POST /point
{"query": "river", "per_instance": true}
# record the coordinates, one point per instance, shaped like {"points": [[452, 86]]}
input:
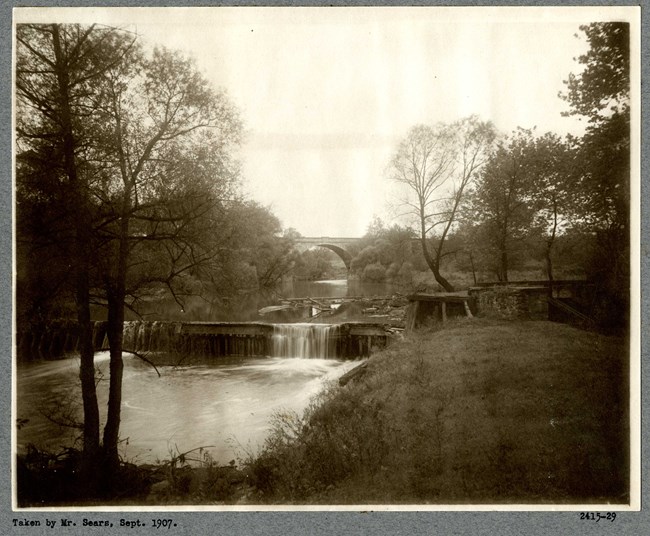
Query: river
{"points": [[336, 288], [245, 307], [228, 405]]}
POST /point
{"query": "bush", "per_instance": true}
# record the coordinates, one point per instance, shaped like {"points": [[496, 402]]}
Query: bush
{"points": [[392, 271], [375, 273], [337, 437], [405, 274], [368, 255]]}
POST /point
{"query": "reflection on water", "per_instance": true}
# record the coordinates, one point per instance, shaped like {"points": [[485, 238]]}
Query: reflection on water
{"points": [[335, 288], [246, 306], [223, 405]]}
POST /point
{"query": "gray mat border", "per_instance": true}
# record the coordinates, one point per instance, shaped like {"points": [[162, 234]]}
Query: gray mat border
{"points": [[289, 523]]}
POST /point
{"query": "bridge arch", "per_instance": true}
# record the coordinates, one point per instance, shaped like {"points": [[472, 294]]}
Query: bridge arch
{"points": [[341, 252]]}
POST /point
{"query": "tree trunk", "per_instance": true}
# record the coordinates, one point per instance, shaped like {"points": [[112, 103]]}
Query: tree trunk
{"points": [[112, 428], [549, 268], [117, 295], [549, 247], [471, 260], [504, 265], [433, 266], [82, 248], [432, 263]]}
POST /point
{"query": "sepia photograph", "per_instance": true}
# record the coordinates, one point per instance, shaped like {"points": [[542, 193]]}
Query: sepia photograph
{"points": [[341, 258]]}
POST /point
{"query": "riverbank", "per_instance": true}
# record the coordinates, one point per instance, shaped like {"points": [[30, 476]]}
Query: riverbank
{"points": [[479, 411], [472, 411]]}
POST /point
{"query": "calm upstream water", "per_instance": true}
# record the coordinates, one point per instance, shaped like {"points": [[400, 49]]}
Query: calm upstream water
{"points": [[227, 405], [336, 288], [245, 308]]}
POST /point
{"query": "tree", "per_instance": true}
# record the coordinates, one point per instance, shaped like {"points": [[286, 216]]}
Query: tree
{"points": [[389, 247], [143, 145], [437, 164], [501, 202], [602, 89], [58, 70], [601, 93], [314, 264], [553, 190], [164, 142]]}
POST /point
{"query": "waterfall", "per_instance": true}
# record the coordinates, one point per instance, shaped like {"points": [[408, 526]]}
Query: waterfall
{"points": [[305, 340], [141, 336]]}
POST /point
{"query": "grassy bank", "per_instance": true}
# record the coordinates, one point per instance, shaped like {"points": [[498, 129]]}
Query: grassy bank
{"points": [[478, 411]]}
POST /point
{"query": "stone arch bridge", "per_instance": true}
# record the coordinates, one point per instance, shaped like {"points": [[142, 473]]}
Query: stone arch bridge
{"points": [[338, 245]]}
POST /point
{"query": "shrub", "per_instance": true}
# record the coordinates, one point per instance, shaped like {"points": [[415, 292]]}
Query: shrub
{"points": [[368, 255], [338, 437], [374, 273], [392, 271]]}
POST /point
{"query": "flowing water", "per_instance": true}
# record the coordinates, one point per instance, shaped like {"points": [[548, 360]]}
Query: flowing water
{"points": [[305, 340], [228, 404]]}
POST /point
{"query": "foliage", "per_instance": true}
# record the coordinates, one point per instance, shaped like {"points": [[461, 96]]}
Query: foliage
{"points": [[500, 209], [374, 272], [524, 199], [314, 264], [602, 89], [392, 248], [46, 478], [601, 93]]}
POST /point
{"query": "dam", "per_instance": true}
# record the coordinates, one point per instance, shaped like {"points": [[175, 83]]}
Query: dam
{"points": [[178, 342]]}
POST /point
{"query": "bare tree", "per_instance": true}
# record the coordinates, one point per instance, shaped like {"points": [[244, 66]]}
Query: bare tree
{"points": [[436, 164]]}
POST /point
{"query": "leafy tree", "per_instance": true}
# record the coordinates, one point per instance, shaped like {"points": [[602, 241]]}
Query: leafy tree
{"points": [[436, 165], [254, 254], [553, 190], [501, 208], [390, 247], [602, 89], [315, 264], [58, 81], [164, 140], [601, 94], [141, 147]]}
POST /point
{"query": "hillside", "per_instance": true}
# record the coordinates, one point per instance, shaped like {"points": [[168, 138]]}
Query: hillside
{"points": [[480, 411]]}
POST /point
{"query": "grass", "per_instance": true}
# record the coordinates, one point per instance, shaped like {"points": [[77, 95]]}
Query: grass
{"points": [[480, 411]]}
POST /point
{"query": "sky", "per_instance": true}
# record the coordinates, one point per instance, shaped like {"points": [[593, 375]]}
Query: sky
{"points": [[326, 94]]}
